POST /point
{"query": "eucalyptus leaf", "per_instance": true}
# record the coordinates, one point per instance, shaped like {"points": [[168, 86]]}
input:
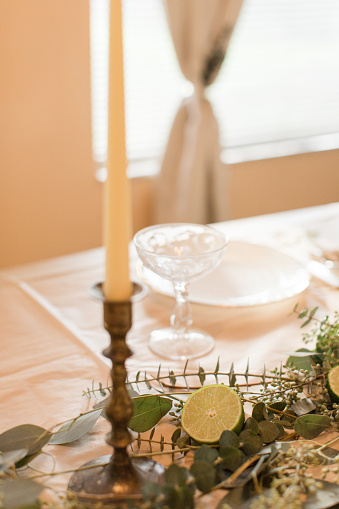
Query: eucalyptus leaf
{"points": [[202, 376], [148, 410], [76, 428], [103, 404], [304, 352], [288, 419], [27, 459], [175, 475], [268, 431], [25, 436], [172, 378], [310, 426], [259, 412], [204, 474], [182, 498], [20, 493], [278, 405], [251, 425], [175, 435], [183, 441], [250, 442], [232, 457], [228, 437], [281, 429], [9, 458], [207, 454], [301, 359]]}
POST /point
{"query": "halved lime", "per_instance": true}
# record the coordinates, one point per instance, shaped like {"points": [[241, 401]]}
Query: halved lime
{"points": [[210, 410], [333, 384]]}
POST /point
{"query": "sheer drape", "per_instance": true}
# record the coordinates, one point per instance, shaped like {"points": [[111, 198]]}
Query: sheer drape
{"points": [[191, 184]]}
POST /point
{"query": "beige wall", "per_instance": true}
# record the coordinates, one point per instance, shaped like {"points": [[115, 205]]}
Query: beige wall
{"points": [[50, 202], [273, 185]]}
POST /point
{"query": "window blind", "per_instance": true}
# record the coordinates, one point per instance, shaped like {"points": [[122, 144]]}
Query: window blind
{"points": [[278, 86]]}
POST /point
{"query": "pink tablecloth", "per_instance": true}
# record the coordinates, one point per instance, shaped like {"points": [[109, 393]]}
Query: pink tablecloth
{"points": [[52, 334]]}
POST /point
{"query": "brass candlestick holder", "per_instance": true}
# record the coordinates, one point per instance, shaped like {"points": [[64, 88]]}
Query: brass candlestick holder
{"points": [[118, 478]]}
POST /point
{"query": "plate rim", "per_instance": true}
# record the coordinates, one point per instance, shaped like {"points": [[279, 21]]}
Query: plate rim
{"points": [[140, 269]]}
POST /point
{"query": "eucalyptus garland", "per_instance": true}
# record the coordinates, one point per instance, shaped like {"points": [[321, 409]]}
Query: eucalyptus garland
{"points": [[267, 465]]}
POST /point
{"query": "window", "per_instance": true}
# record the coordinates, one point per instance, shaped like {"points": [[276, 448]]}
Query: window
{"points": [[276, 94]]}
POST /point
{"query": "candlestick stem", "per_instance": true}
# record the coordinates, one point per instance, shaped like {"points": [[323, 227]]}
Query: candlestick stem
{"points": [[116, 478]]}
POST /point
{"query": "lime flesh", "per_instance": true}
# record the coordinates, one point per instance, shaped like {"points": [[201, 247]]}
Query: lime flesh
{"points": [[211, 410], [333, 384]]}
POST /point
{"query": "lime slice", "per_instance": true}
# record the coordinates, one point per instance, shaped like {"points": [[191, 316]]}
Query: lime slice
{"points": [[211, 410], [333, 384]]}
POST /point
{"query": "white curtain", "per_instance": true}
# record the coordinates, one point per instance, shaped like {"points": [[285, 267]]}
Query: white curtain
{"points": [[191, 185]]}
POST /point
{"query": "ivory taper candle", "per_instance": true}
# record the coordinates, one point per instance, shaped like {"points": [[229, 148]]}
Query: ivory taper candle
{"points": [[117, 206]]}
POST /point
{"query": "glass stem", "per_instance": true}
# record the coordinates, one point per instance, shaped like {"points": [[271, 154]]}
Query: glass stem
{"points": [[181, 319]]}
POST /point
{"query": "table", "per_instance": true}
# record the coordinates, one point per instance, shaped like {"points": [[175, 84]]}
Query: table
{"points": [[52, 334]]}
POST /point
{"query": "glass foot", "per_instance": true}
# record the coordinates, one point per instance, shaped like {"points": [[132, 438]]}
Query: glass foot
{"points": [[189, 345]]}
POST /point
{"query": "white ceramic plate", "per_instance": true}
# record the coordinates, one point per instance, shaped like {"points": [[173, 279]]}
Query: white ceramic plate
{"points": [[248, 275]]}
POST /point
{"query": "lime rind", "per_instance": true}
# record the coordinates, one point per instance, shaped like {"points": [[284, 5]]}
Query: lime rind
{"points": [[333, 384], [211, 410]]}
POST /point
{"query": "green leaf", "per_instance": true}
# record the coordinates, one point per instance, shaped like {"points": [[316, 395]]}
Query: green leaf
{"points": [[277, 405], [228, 437], [313, 311], [183, 441], [251, 425], [148, 410], [232, 457], [101, 390], [75, 429], [176, 434], [204, 474], [178, 498], [281, 430], [310, 426], [268, 431], [172, 378], [148, 384], [20, 493], [250, 441], [175, 475], [259, 412], [202, 376], [216, 371], [232, 377], [207, 454], [303, 313], [301, 359], [246, 373], [25, 436]]}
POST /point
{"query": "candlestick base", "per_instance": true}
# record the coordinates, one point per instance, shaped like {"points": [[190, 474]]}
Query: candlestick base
{"points": [[115, 479], [100, 481]]}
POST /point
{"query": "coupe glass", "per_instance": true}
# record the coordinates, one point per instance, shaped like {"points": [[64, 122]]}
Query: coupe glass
{"points": [[180, 253]]}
